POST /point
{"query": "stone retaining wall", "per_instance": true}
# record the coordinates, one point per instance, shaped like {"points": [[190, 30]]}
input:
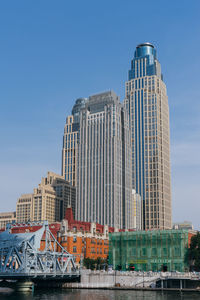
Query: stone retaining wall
{"points": [[95, 279]]}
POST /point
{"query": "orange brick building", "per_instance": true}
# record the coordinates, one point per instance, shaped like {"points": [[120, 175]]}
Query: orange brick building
{"points": [[84, 239]]}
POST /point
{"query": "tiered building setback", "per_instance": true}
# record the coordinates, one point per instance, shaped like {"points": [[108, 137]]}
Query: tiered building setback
{"points": [[48, 201], [70, 143], [52, 197], [147, 104]]}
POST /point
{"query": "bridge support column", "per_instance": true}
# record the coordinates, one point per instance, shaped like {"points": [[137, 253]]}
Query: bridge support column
{"points": [[162, 284], [181, 284], [26, 286], [20, 285]]}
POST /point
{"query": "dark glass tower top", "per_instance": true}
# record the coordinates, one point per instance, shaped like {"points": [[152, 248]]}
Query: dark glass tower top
{"points": [[145, 62], [80, 103], [145, 49]]}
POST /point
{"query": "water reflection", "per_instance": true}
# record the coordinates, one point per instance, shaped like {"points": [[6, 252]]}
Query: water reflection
{"points": [[98, 295]]}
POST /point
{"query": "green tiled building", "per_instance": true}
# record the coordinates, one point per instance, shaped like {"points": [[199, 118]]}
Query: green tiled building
{"points": [[155, 250]]}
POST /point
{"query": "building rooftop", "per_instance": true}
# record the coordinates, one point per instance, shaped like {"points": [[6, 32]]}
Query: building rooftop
{"points": [[145, 44], [80, 225]]}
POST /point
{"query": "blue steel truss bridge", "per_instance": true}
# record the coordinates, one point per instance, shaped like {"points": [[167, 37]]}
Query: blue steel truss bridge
{"points": [[21, 260]]}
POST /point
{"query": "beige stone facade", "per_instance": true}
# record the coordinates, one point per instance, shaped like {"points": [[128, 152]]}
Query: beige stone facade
{"points": [[70, 152], [49, 200], [24, 208], [153, 181], [5, 218]]}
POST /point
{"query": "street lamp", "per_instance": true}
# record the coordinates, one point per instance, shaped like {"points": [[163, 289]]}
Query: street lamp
{"points": [[143, 278]]}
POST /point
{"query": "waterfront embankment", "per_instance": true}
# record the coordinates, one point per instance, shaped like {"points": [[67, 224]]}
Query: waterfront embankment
{"points": [[136, 280]]}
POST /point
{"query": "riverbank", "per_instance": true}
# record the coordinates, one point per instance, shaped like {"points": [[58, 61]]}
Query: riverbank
{"points": [[121, 288], [136, 281]]}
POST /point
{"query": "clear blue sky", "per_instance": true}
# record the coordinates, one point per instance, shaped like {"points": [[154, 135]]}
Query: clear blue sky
{"points": [[52, 52]]}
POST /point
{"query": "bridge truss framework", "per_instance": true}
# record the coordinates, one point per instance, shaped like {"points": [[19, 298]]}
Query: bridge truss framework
{"points": [[20, 256]]}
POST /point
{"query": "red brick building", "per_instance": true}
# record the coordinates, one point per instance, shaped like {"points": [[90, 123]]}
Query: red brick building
{"points": [[84, 239]]}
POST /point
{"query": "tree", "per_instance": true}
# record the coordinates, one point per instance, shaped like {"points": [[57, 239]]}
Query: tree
{"points": [[193, 253], [92, 264]]}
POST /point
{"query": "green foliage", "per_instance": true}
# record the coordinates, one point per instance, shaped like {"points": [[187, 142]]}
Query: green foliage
{"points": [[193, 253], [95, 264]]}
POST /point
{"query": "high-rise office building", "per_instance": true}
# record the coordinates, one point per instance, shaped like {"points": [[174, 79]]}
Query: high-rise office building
{"points": [[7, 217], [104, 169], [48, 201], [52, 197], [147, 103], [24, 208], [70, 143], [70, 151]]}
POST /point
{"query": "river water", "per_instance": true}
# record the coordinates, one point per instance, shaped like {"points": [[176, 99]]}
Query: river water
{"points": [[97, 295]]}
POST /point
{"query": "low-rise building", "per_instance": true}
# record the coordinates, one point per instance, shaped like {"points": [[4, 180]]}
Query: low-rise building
{"points": [[183, 225], [154, 250], [84, 239], [7, 217]]}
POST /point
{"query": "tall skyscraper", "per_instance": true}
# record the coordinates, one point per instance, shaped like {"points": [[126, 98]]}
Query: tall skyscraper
{"points": [[147, 103], [70, 143], [70, 151], [104, 170]]}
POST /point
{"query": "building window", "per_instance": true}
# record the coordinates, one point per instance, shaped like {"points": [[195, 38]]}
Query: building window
{"points": [[74, 239], [74, 249]]}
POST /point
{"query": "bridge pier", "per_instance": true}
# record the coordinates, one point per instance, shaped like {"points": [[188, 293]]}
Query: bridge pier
{"points": [[22, 264], [162, 284], [181, 284], [18, 285]]}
